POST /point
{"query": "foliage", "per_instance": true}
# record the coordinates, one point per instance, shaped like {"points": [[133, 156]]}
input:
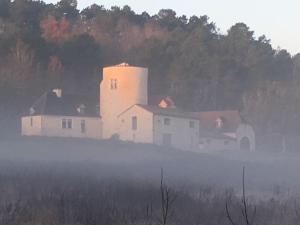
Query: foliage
{"points": [[188, 58]]}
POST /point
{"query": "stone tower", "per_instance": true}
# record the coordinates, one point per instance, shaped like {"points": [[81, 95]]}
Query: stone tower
{"points": [[122, 86]]}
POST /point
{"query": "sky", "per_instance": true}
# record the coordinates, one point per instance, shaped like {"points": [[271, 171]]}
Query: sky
{"points": [[277, 19]]}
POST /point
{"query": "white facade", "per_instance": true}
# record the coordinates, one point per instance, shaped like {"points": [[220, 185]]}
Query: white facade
{"points": [[122, 86], [246, 133], [62, 126], [142, 126], [142, 132], [213, 144], [178, 132]]}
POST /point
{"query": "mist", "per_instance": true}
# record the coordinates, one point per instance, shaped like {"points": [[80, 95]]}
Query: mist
{"points": [[114, 117]]}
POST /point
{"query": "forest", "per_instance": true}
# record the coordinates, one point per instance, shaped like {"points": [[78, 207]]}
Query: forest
{"points": [[45, 46]]}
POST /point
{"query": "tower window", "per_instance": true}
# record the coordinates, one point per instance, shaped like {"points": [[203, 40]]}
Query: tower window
{"points": [[192, 124], [134, 123], [31, 121], [113, 84]]}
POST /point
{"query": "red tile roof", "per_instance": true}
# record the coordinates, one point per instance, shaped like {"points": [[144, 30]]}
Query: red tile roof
{"points": [[230, 118]]}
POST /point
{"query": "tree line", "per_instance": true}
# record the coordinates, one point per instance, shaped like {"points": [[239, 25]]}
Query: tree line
{"points": [[56, 45]]}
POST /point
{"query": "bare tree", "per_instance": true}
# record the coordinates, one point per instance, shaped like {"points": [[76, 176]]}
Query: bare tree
{"points": [[244, 208], [168, 198]]}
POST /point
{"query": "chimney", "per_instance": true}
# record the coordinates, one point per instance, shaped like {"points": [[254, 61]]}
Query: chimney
{"points": [[58, 92]]}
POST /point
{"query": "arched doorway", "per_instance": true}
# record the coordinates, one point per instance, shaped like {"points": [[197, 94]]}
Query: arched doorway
{"points": [[245, 144]]}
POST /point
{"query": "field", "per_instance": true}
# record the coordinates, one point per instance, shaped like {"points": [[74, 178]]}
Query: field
{"points": [[143, 162], [70, 181]]}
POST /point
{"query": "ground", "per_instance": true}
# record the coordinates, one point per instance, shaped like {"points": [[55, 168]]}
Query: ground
{"points": [[265, 172]]}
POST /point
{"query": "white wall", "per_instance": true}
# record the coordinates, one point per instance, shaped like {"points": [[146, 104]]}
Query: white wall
{"points": [[245, 130], [182, 136], [31, 125], [51, 126], [209, 144], [132, 88], [144, 131]]}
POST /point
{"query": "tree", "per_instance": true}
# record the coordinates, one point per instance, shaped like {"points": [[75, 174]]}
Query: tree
{"points": [[56, 31], [167, 18], [245, 208], [168, 197], [283, 65], [92, 11], [27, 14], [68, 9], [4, 8], [80, 54]]}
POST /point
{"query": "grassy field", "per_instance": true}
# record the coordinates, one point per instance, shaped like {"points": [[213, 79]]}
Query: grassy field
{"points": [[264, 171], [83, 182]]}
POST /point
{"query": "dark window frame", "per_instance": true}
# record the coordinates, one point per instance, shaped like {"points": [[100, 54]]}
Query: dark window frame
{"points": [[113, 84], [134, 123], [83, 126], [69, 124], [64, 124]]}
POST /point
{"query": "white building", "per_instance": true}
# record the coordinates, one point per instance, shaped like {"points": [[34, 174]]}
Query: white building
{"points": [[225, 130], [58, 115], [125, 114], [161, 126]]}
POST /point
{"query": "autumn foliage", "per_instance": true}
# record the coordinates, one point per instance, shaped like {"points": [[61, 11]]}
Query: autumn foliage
{"points": [[56, 31]]}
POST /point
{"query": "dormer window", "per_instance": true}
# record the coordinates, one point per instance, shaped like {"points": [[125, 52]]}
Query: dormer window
{"points": [[113, 84], [219, 123], [31, 111], [81, 109]]}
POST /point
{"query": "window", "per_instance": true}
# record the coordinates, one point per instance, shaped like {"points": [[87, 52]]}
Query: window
{"points": [[113, 84], [31, 121], [192, 124], [82, 126], [167, 121], [64, 124], [69, 123], [226, 142], [134, 123]]}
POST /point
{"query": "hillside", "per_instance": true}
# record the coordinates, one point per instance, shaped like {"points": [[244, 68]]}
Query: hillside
{"points": [[142, 163], [55, 45]]}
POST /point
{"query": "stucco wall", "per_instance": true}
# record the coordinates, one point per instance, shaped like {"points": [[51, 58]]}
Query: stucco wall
{"points": [[51, 126], [131, 88], [182, 136], [144, 130], [207, 144], [245, 130], [31, 125]]}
